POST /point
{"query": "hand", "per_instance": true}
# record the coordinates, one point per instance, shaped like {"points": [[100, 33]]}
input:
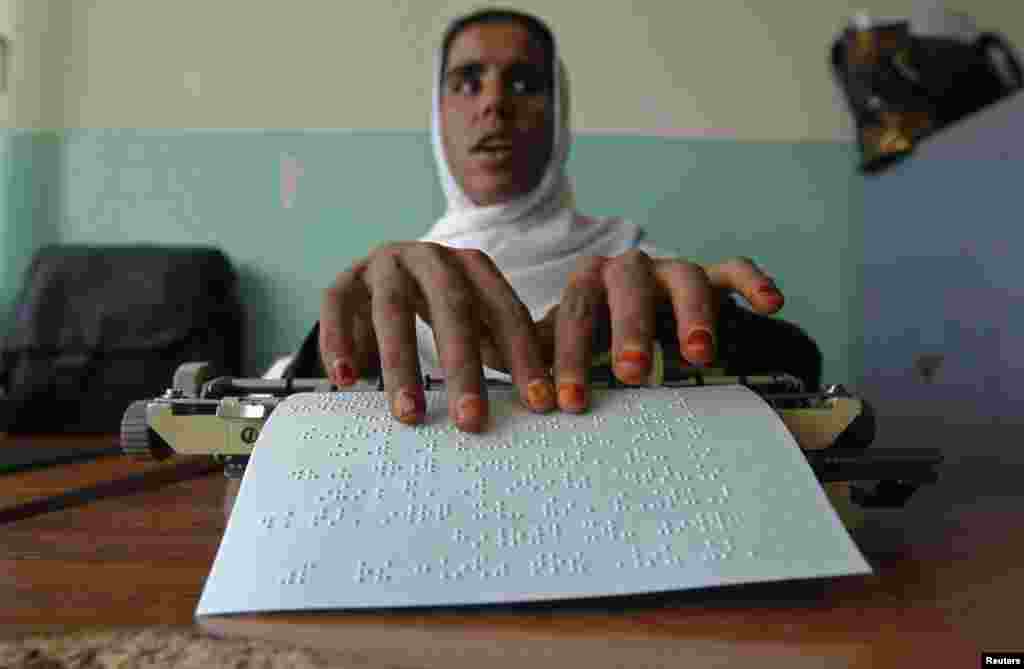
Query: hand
{"points": [[626, 292], [369, 312]]}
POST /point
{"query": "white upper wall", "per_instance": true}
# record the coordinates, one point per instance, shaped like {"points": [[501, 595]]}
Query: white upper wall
{"points": [[38, 39], [747, 69]]}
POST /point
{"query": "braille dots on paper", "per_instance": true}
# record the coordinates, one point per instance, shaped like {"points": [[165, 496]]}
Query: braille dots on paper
{"points": [[513, 537], [410, 487], [717, 521], [510, 537], [298, 576], [689, 420], [270, 521], [645, 418], [324, 516], [430, 445], [375, 575], [702, 472], [342, 474], [667, 500], [606, 530], [332, 404], [426, 465], [419, 514], [662, 557], [717, 549], [553, 508], [527, 482], [553, 564], [344, 493], [387, 468], [460, 537], [698, 452], [478, 489], [665, 433], [496, 510], [647, 477], [583, 439], [617, 502], [575, 482], [702, 522], [469, 568], [499, 465], [638, 455], [562, 460], [344, 451]]}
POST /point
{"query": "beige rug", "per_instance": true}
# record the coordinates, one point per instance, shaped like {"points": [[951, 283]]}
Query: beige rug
{"points": [[177, 648]]}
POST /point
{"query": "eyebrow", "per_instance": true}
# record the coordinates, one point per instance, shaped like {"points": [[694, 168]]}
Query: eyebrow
{"points": [[474, 68]]}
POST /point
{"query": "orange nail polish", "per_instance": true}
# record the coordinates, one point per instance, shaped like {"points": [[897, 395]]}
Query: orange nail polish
{"points": [[470, 408], [540, 395], [632, 366], [344, 375], [700, 344], [407, 408], [572, 396], [638, 358]]}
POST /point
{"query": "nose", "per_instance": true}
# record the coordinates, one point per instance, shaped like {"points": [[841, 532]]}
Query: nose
{"points": [[494, 98]]}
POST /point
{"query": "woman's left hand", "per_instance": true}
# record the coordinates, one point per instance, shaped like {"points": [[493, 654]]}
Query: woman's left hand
{"points": [[625, 293]]}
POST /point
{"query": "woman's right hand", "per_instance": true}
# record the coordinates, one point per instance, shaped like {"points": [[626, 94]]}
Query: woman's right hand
{"points": [[370, 312]]}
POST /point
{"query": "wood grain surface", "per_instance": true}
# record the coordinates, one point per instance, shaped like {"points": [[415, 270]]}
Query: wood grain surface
{"points": [[947, 584]]}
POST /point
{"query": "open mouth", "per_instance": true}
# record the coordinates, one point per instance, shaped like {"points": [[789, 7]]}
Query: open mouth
{"points": [[495, 152], [495, 149]]}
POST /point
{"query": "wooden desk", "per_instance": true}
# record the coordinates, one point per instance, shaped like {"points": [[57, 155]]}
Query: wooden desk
{"points": [[949, 582]]}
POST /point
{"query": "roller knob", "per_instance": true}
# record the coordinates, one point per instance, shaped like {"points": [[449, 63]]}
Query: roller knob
{"points": [[190, 377], [137, 439]]}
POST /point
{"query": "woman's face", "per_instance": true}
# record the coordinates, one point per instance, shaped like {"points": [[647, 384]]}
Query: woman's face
{"points": [[496, 111]]}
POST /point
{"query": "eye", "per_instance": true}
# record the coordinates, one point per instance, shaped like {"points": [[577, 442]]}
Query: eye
{"points": [[529, 83], [465, 86]]}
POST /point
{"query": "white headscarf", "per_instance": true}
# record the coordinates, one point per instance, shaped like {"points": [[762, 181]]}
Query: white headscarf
{"points": [[535, 239]]}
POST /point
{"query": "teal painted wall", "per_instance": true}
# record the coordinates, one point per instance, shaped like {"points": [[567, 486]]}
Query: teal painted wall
{"points": [[30, 197], [794, 207]]}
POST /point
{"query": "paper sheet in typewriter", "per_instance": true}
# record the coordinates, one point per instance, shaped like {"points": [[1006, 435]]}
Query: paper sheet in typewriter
{"points": [[655, 489]]}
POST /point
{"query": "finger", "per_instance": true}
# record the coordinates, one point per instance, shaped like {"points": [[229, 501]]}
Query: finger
{"points": [[392, 292], [492, 356], [577, 316], [545, 329], [453, 304], [632, 297], [692, 297], [511, 329], [339, 353], [743, 276]]}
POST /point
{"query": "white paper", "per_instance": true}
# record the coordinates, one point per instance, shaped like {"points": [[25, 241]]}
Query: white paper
{"points": [[655, 489]]}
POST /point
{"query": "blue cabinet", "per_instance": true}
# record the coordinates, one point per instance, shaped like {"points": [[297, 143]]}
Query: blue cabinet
{"points": [[942, 290]]}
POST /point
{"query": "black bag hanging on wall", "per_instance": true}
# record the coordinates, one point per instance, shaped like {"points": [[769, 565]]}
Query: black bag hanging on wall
{"points": [[99, 327], [902, 87]]}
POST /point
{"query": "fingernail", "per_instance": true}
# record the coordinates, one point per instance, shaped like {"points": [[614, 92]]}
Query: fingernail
{"points": [[409, 404], [344, 375], [470, 409], [540, 394], [632, 361], [572, 396], [700, 344]]}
